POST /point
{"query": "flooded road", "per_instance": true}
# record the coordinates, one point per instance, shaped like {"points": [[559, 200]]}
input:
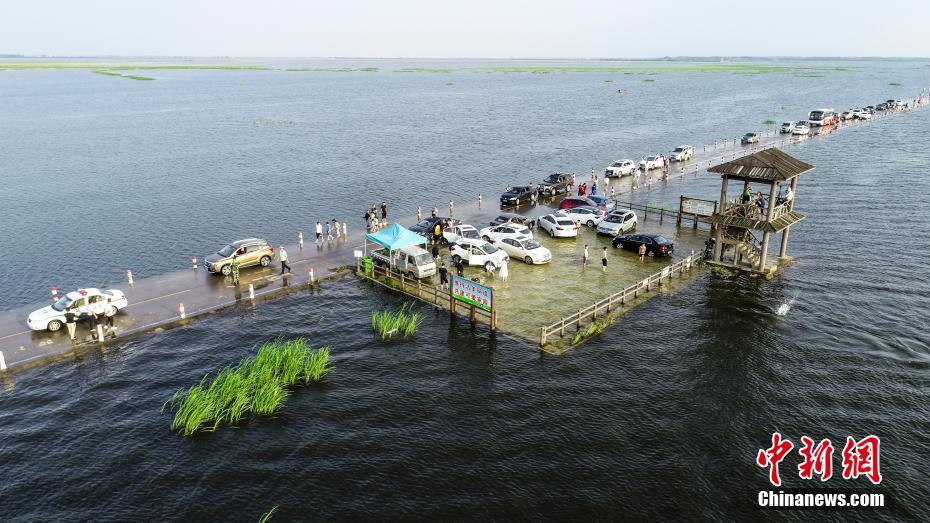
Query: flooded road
{"points": [[660, 417]]}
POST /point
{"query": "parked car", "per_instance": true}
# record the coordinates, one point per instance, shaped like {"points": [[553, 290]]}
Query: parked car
{"points": [[865, 115], [620, 168], [881, 107], [496, 233], [656, 244], [656, 161], [580, 201], [454, 233], [617, 222], [79, 302], [249, 252], [749, 138], [509, 217], [846, 115], [427, 226], [682, 153], [801, 129], [786, 127], [602, 202], [898, 104], [477, 252], [589, 216], [528, 250], [558, 183], [558, 226], [414, 261], [519, 194]]}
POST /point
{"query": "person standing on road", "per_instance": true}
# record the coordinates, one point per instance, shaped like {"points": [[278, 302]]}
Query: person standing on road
{"points": [[584, 257], [345, 230], [443, 275], [435, 250], [337, 228], [460, 268], [70, 317], [437, 233], [604, 260], [451, 207], [110, 312], [383, 210], [282, 255], [98, 312], [319, 232], [329, 231], [642, 252], [235, 270], [505, 273]]}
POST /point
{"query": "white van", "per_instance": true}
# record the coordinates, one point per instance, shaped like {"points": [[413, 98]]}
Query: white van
{"points": [[414, 261]]}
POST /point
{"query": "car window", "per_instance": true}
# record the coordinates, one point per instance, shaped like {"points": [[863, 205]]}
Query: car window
{"points": [[566, 222], [508, 241], [628, 217], [95, 299], [76, 304], [227, 251], [531, 244], [661, 239], [488, 248]]}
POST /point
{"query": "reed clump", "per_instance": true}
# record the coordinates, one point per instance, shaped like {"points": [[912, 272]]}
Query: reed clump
{"points": [[768, 122], [402, 323], [256, 386], [594, 328]]}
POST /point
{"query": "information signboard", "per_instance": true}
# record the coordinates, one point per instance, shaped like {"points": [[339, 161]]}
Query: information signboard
{"points": [[472, 293]]}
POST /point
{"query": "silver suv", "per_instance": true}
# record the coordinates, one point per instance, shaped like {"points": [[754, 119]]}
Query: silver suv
{"points": [[251, 251]]}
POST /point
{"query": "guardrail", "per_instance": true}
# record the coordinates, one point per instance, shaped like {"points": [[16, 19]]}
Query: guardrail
{"points": [[433, 294], [617, 299]]}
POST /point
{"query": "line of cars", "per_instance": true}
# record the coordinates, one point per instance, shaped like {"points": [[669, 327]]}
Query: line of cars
{"points": [[627, 167], [827, 117]]}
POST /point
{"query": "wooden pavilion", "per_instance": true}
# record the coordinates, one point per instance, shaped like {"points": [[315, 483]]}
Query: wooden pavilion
{"points": [[736, 220]]}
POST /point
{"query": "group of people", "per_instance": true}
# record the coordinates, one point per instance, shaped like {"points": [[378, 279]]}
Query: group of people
{"points": [[372, 222], [332, 230], [100, 315]]}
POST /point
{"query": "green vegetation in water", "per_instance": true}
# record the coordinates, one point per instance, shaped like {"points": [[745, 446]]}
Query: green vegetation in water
{"points": [[119, 75], [894, 83], [649, 80], [399, 323], [266, 517], [257, 385], [594, 328], [608, 81], [449, 83], [333, 69], [768, 122], [439, 70]]}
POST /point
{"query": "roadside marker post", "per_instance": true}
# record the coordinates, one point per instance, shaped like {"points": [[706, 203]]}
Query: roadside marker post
{"points": [[194, 262], [300, 239], [251, 292], [2, 361], [181, 311], [129, 276]]}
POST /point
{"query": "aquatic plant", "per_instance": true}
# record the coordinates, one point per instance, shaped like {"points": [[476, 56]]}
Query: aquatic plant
{"points": [[403, 322], [768, 122], [594, 328], [649, 80], [894, 83], [257, 385], [266, 517], [119, 75]]}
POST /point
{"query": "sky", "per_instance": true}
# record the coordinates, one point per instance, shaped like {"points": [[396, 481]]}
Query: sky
{"points": [[464, 29]]}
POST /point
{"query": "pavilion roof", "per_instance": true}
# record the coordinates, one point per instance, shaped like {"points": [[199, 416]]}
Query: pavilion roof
{"points": [[768, 165]]}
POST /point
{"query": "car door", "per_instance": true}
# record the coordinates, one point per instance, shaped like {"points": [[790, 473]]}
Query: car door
{"points": [[78, 307], [510, 246], [476, 256]]}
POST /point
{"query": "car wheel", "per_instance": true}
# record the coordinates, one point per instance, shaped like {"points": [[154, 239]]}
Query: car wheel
{"points": [[487, 239], [590, 223], [456, 258], [113, 310], [651, 252], [54, 325], [528, 260], [551, 234], [265, 261], [488, 266], [226, 270]]}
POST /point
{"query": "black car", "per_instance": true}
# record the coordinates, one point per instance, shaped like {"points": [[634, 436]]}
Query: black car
{"points": [[554, 184], [656, 244], [519, 194], [425, 227], [749, 138], [509, 217]]}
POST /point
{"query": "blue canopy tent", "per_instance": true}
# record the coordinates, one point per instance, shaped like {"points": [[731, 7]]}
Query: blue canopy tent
{"points": [[394, 237]]}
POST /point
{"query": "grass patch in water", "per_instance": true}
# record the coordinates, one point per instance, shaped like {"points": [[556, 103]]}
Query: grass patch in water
{"points": [[768, 122], [403, 323], [649, 80], [119, 75], [594, 328], [266, 517], [894, 83], [333, 69], [257, 385]]}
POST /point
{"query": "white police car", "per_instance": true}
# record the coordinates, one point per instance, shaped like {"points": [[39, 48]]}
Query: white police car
{"points": [[80, 302]]}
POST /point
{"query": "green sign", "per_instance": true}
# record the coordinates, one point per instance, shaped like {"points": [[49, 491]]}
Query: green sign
{"points": [[472, 293]]}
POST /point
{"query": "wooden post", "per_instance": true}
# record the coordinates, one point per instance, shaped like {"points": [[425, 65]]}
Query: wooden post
{"points": [[493, 319], [578, 323], [661, 215], [594, 314], [451, 303], [542, 336], [773, 193], [562, 327], [681, 207], [471, 315], [419, 290], [610, 302], [694, 225]]}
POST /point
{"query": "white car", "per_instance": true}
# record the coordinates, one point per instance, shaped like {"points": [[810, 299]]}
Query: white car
{"points": [[864, 115], [787, 127], [617, 222], [682, 153], [655, 161], [528, 250], [620, 168], [478, 252], [801, 129], [846, 115], [559, 226], [589, 216], [496, 233], [457, 232], [79, 302]]}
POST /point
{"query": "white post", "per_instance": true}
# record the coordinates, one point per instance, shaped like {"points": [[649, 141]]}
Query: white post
{"points": [[311, 276], [2, 361], [129, 276], [251, 292], [181, 311], [194, 262], [300, 239]]}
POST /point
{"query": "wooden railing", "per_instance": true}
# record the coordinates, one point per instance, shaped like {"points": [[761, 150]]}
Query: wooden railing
{"points": [[617, 299], [646, 209], [430, 293]]}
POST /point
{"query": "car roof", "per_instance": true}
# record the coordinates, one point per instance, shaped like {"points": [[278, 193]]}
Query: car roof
{"points": [[247, 241]]}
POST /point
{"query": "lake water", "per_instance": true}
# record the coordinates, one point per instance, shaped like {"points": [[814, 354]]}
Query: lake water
{"points": [[659, 418]]}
